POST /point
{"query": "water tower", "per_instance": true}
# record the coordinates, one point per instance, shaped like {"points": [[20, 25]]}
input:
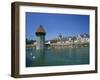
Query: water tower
{"points": [[40, 41]]}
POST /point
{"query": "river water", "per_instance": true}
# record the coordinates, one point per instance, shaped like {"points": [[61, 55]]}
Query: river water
{"points": [[57, 56]]}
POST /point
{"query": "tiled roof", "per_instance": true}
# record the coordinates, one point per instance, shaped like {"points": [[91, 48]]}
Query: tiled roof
{"points": [[40, 29]]}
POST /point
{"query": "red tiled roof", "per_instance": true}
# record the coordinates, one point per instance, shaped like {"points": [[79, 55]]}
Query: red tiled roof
{"points": [[40, 29]]}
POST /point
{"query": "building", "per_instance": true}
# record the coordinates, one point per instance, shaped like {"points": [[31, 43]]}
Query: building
{"points": [[40, 41], [83, 38], [59, 41]]}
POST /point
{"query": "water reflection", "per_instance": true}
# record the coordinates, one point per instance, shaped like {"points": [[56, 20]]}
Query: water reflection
{"points": [[40, 57], [53, 57]]}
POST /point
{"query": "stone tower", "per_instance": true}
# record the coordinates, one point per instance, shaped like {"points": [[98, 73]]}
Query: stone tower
{"points": [[40, 41]]}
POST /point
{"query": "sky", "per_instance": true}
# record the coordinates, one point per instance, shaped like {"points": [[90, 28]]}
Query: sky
{"points": [[55, 24]]}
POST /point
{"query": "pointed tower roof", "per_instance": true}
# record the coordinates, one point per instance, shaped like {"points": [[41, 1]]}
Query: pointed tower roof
{"points": [[40, 30]]}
